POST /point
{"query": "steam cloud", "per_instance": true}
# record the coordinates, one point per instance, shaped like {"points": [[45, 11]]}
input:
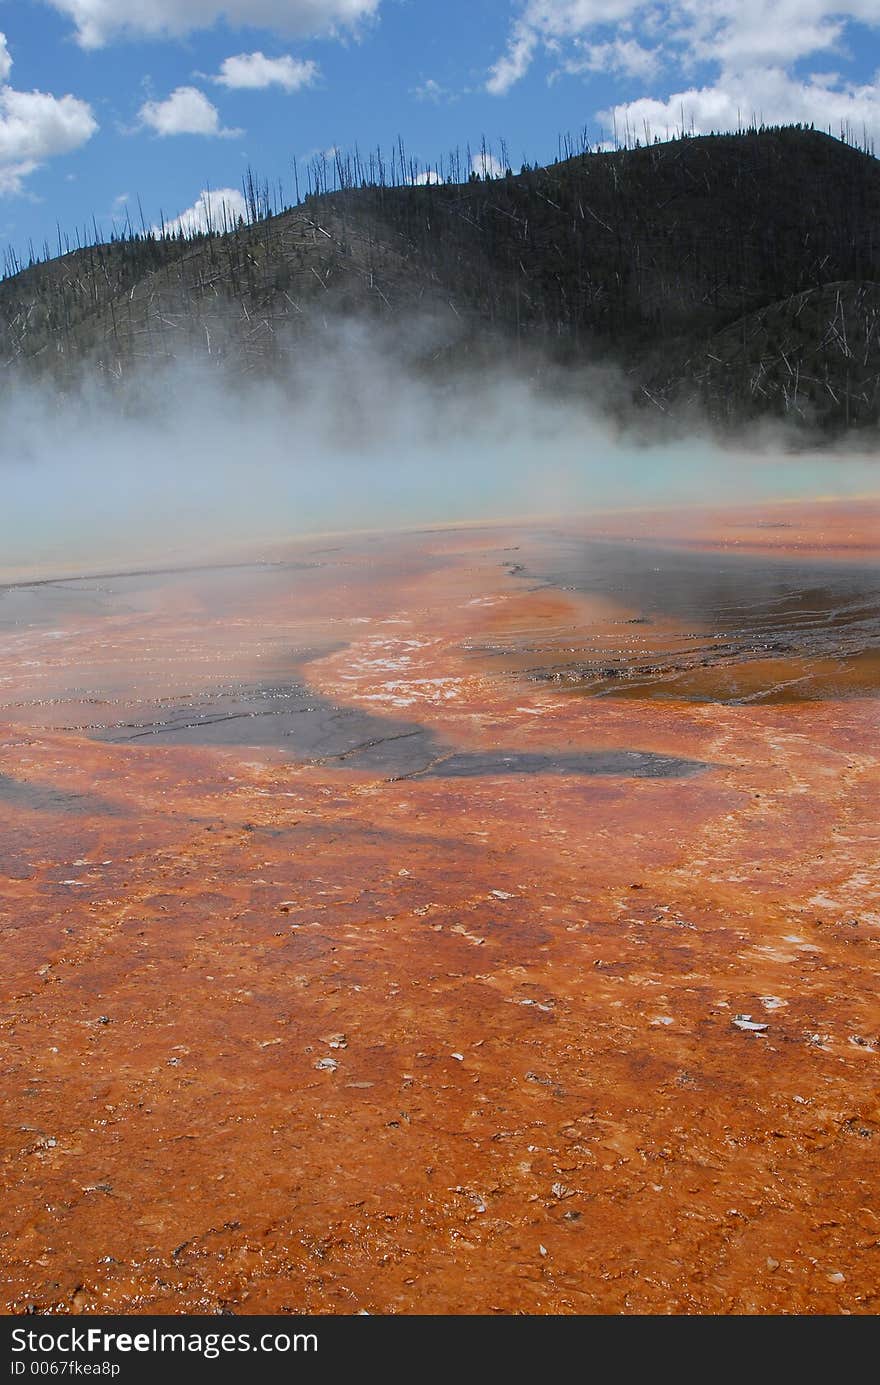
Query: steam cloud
{"points": [[181, 463]]}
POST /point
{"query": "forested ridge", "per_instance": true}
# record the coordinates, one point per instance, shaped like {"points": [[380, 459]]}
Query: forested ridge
{"points": [[735, 275]]}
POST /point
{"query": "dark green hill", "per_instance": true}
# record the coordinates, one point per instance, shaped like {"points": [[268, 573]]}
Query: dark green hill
{"points": [[735, 273]]}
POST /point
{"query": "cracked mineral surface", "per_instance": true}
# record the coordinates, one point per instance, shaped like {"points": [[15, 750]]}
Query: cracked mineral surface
{"points": [[466, 921]]}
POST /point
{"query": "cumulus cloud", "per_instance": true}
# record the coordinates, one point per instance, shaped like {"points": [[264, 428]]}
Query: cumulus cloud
{"points": [[766, 95], [485, 165], [769, 32], [187, 111], [35, 126], [746, 53], [254, 71], [641, 36], [212, 210], [100, 21]]}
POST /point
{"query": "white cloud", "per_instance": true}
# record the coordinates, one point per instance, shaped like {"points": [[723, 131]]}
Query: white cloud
{"points": [[485, 165], [626, 56], [187, 111], [766, 33], [329, 153], [35, 126], [561, 19], [253, 71], [5, 59], [212, 210], [515, 63], [640, 36], [12, 177], [99, 21], [430, 91], [768, 95], [547, 24]]}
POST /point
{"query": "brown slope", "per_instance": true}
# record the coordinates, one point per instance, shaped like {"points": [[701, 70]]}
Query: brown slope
{"points": [[813, 357]]}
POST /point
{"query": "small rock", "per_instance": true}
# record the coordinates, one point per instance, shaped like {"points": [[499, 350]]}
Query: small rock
{"points": [[746, 1022], [502, 894], [561, 1191], [772, 1264], [475, 1198], [459, 1057], [326, 1065], [542, 1249], [836, 1277]]}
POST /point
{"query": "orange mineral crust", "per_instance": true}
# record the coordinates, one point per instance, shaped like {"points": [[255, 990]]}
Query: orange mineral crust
{"points": [[471, 921]]}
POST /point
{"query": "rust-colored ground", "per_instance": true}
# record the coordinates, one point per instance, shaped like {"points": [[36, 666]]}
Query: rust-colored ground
{"points": [[313, 1032]]}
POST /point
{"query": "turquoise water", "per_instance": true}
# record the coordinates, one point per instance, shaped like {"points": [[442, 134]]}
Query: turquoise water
{"points": [[86, 482]]}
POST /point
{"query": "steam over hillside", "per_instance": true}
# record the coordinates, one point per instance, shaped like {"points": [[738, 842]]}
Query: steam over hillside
{"points": [[726, 278]]}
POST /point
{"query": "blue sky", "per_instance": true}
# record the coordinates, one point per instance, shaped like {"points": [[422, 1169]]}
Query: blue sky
{"points": [[105, 101]]}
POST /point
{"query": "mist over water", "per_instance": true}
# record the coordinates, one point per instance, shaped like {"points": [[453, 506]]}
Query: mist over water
{"points": [[184, 462]]}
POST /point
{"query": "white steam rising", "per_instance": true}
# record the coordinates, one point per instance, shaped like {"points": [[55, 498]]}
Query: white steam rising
{"points": [[184, 463]]}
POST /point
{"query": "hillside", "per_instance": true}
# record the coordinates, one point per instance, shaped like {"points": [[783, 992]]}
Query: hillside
{"points": [[738, 275]]}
